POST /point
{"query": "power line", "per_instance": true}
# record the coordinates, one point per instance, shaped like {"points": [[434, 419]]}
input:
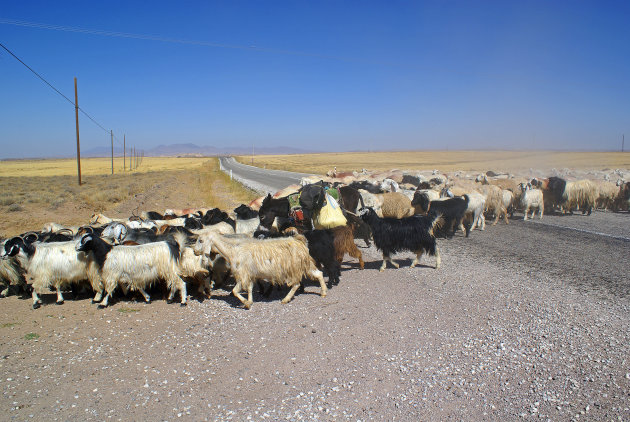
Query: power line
{"points": [[147, 37], [55, 89]]}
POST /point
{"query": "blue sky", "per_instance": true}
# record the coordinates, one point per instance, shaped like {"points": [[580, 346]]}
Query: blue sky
{"points": [[326, 75]]}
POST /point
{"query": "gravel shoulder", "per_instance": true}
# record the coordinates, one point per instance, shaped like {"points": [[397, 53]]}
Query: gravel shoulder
{"points": [[485, 337]]}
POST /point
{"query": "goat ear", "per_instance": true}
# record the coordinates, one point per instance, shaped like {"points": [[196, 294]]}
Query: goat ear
{"points": [[15, 249]]}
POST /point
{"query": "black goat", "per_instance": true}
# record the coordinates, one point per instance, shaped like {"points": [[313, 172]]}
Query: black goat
{"points": [[413, 234], [243, 212], [365, 185], [452, 211], [215, 216]]}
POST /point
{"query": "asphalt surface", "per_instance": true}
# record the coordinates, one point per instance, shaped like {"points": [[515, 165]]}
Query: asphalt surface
{"points": [[261, 180], [591, 252]]}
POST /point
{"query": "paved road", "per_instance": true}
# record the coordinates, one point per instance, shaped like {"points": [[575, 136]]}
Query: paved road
{"points": [[258, 179], [589, 252]]}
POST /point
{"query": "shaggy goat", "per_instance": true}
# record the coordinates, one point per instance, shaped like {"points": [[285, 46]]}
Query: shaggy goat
{"points": [[11, 274], [494, 202], [582, 194], [344, 244], [48, 264], [413, 234], [136, 267], [452, 211], [282, 261], [532, 198]]}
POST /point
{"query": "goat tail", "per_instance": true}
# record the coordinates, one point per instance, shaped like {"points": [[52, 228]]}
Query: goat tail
{"points": [[438, 222]]}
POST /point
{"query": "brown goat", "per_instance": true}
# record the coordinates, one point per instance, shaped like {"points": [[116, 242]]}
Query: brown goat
{"points": [[344, 244]]}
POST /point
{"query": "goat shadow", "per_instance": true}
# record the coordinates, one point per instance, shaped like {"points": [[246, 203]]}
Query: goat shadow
{"points": [[402, 262]]}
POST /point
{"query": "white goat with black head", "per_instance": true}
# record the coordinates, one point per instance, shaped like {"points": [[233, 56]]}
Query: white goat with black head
{"points": [[47, 265], [136, 267]]}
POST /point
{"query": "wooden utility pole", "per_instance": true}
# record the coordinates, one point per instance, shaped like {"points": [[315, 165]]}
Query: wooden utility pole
{"points": [[111, 132], [124, 153], [134, 157], [623, 141], [76, 116]]}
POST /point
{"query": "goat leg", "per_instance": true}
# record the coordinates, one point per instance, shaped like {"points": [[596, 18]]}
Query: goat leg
{"points": [[289, 295]]}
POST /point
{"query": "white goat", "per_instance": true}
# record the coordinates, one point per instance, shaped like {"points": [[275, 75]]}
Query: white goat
{"points": [[248, 226], [281, 261], [136, 267], [11, 274], [48, 265], [532, 198]]}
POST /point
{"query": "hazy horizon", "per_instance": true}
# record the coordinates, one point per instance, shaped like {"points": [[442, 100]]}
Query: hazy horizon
{"points": [[323, 76]]}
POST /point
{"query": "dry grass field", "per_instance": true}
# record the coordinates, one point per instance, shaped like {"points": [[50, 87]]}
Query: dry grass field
{"points": [[445, 161], [94, 166], [33, 193]]}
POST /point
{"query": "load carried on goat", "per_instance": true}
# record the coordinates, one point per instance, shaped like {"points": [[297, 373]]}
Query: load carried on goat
{"points": [[329, 215], [295, 209]]}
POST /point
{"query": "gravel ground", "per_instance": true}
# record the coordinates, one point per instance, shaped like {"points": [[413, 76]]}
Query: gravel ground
{"points": [[486, 337], [523, 321]]}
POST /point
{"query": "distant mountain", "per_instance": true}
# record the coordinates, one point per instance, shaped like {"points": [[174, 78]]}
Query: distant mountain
{"points": [[196, 150]]}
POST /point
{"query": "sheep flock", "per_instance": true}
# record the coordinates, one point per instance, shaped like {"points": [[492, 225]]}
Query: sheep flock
{"points": [[198, 250]]}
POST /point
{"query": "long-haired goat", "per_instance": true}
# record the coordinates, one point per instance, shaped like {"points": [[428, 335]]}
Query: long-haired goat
{"points": [[11, 274], [48, 265], [582, 194], [344, 244], [413, 234], [136, 267], [452, 211], [281, 261], [532, 198]]}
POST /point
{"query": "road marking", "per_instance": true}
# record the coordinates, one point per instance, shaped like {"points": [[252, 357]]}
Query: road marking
{"points": [[625, 239]]}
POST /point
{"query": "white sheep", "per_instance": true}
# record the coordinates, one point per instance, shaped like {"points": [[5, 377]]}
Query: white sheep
{"points": [[136, 267]]}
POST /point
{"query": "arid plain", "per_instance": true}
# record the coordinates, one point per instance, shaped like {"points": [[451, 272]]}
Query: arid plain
{"points": [[523, 321]]}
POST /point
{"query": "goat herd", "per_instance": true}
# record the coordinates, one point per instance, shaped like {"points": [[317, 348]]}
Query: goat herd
{"points": [[272, 241]]}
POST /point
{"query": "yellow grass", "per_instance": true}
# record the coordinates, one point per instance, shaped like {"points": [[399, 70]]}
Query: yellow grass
{"points": [[94, 166], [29, 201], [445, 161], [220, 191]]}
